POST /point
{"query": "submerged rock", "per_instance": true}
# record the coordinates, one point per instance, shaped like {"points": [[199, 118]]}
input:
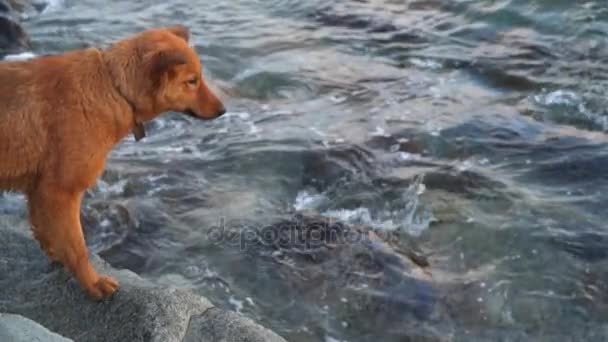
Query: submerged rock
{"points": [[359, 275], [139, 311]]}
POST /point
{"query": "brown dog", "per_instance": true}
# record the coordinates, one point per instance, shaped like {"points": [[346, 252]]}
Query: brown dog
{"points": [[61, 115]]}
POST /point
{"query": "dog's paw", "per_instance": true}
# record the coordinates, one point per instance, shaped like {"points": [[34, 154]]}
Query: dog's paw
{"points": [[103, 288]]}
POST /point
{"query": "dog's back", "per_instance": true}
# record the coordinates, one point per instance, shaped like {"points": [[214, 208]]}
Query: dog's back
{"points": [[22, 133], [43, 103]]}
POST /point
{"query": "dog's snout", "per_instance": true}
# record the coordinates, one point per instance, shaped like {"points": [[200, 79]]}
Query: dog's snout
{"points": [[221, 111]]}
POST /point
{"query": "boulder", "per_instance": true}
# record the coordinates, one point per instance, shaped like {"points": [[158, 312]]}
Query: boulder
{"points": [[15, 328], [139, 311]]}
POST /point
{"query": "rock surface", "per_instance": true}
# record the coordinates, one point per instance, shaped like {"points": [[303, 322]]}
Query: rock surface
{"points": [[223, 326], [139, 311], [15, 328]]}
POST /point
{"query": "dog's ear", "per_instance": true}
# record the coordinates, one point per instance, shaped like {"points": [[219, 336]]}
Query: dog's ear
{"points": [[159, 62], [180, 31]]}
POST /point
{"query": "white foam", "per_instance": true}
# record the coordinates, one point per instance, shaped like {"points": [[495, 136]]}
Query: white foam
{"points": [[331, 339], [414, 217], [282, 112], [417, 218], [111, 189], [337, 99], [573, 102], [238, 304], [359, 215], [240, 115], [425, 63], [317, 131], [253, 129], [53, 5], [559, 97], [409, 156], [380, 132], [306, 201], [464, 166], [20, 56]]}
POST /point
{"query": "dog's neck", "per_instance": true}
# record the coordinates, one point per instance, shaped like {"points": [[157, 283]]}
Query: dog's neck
{"points": [[138, 129]]}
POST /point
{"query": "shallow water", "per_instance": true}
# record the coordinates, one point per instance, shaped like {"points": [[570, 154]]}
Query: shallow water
{"points": [[476, 128]]}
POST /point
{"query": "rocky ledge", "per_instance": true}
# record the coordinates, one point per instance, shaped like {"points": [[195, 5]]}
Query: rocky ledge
{"points": [[35, 290]]}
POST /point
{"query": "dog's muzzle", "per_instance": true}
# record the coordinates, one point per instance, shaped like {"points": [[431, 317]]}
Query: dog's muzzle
{"points": [[219, 113]]}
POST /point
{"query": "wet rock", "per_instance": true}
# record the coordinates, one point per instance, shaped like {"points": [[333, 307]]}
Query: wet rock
{"points": [[587, 246], [28, 6], [340, 163], [352, 271], [13, 38], [17, 5], [463, 182], [15, 328], [221, 325], [139, 311]]}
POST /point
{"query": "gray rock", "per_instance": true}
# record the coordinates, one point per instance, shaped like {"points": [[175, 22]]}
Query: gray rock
{"points": [[139, 311], [15, 328], [226, 326]]}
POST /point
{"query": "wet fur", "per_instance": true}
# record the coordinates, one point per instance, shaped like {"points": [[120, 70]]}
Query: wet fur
{"points": [[61, 115]]}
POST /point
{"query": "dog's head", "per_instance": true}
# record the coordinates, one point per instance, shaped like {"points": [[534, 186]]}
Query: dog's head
{"points": [[157, 71]]}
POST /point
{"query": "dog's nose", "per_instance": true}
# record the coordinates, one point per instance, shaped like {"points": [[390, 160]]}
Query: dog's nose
{"points": [[221, 112]]}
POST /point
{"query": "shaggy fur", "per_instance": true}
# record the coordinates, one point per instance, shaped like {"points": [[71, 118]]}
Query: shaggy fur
{"points": [[61, 115]]}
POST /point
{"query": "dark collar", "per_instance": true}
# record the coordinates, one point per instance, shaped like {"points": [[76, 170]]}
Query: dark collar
{"points": [[138, 130]]}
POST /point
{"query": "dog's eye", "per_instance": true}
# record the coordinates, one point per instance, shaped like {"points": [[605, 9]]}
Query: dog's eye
{"points": [[193, 81]]}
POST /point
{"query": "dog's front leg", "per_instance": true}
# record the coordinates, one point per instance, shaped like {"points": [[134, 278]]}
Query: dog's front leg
{"points": [[55, 217]]}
